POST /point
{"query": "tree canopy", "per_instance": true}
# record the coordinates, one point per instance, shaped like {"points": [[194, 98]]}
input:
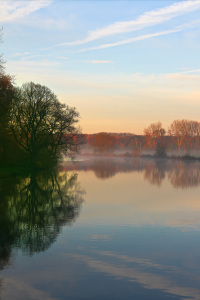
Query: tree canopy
{"points": [[153, 134], [104, 142], [1, 59], [41, 125], [184, 131]]}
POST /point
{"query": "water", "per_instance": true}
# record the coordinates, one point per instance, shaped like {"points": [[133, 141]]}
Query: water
{"points": [[117, 229]]}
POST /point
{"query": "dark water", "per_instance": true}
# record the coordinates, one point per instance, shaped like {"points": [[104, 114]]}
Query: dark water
{"points": [[102, 229]]}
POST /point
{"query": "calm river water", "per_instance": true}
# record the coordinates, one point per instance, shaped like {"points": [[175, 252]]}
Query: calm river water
{"points": [[102, 229]]}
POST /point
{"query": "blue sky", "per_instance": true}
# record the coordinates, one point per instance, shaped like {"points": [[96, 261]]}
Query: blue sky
{"points": [[122, 64]]}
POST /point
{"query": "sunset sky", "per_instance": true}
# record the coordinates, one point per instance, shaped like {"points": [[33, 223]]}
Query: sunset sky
{"points": [[122, 64]]}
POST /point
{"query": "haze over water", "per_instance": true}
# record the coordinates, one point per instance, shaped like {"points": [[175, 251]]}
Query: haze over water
{"points": [[131, 231], [117, 78]]}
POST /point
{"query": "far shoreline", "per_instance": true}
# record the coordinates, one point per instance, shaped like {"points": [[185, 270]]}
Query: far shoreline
{"points": [[187, 157]]}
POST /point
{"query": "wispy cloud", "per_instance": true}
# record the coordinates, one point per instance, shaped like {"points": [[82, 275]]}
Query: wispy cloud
{"points": [[21, 54], [190, 24], [183, 77], [131, 40], [186, 70], [101, 62], [143, 37], [149, 18], [11, 11], [186, 76], [62, 57]]}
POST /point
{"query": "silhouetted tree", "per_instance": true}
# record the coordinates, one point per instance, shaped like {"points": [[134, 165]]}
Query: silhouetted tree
{"points": [[10, 152], [1, 59], [7, 95], [41, 125]]}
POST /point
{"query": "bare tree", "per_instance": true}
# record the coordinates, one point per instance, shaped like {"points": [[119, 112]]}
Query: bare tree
{"points": [[184, 132], [176, 130], [153, 133], [41, 124]]}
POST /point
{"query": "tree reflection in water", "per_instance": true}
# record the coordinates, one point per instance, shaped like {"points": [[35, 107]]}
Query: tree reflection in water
{"points": [[185, 175], [105, 169], [33, 210], [154, 172], [180, 173]]}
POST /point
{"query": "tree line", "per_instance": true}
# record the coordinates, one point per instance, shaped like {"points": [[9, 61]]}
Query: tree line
{"points": [[182, 135]]}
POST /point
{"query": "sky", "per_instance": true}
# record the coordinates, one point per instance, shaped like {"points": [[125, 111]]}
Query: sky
{"points": [[122, 64]]}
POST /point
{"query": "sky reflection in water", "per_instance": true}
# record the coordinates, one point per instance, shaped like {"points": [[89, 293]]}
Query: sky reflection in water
{"points": [[133, 234]]}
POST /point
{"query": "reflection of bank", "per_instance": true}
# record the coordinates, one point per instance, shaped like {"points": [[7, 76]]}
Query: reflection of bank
{"points": [[154, 172], [185, 175], [180, 173], [34, 208]]}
